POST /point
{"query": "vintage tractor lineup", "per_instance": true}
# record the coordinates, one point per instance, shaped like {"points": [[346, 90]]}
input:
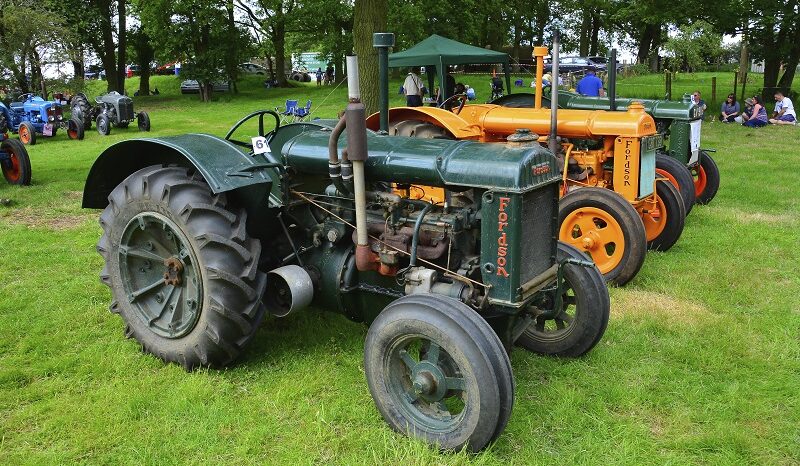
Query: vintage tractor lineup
{"points": [[454, 232]]}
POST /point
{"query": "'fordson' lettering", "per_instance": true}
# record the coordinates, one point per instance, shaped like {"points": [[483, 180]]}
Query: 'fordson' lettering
{"points": [[502, 240], [627, 172]]}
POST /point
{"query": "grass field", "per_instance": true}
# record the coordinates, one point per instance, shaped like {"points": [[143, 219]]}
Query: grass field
{"points": [[700, 363]]}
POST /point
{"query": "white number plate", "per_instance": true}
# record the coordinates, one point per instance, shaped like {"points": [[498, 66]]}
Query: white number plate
{"points": [[47, 130], [260, 145], [694, 140]]}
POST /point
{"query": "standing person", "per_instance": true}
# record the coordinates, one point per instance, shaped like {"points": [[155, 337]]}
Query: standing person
{"points": [[412, 88], [329, 74], [759, 116], [729, 110], [784, 113], [319, 76], [590, 85]]}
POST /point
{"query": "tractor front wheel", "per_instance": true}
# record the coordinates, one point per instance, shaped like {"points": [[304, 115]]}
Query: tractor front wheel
{"points": [[680, 177], [75, 129], [16, 164], [706, 178], [27, 133], [103, 124], [663, 222], [182, 270], [605, 227], [577, 325], [437, 371], [143, 119]]}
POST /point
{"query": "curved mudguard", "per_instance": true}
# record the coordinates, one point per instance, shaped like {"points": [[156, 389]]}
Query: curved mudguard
{"points": [[223, 165]]}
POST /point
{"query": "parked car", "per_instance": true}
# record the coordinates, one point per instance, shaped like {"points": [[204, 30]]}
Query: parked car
{"points": [[603, 61], [252, 68], [574, 64], [191, 86]]}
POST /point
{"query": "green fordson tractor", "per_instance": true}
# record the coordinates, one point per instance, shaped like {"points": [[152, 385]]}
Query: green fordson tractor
{"points": [[204, 237], [678, 121]]}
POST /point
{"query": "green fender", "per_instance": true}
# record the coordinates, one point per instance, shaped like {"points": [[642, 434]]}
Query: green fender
{"points": [[224, 166]]}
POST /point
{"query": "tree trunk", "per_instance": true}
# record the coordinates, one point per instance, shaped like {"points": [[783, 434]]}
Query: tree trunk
{"points": [[232, 58], [515, 47], [279, 42], [786, 80], [370, 16], [744, 61], [37, 77], [653, 56], [594, 48], [121, 33], [586, 24], [648, 36]]}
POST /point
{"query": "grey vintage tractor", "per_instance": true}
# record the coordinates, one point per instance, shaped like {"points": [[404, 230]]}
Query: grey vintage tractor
{"points": [[203, 237], [112, 109]]}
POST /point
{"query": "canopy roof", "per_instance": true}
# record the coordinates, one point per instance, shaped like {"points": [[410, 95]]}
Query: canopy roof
{"points": [[440, 52], [437, 50]]}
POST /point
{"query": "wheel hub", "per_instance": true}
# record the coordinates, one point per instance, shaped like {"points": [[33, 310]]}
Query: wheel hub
{"points": [[426, 380], [174, 272]]}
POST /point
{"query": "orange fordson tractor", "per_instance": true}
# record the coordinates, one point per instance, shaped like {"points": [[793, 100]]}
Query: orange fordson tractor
{"points": [[613, 207]]}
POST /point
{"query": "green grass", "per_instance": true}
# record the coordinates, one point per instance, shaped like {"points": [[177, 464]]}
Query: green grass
{"points": [[700, 363]]}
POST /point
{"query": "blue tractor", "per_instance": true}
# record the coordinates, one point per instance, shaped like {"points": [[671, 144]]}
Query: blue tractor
{"points": [[33, 116]]}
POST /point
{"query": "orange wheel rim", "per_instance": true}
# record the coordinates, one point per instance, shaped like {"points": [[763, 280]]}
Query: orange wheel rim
{"points": [[13, 171], [653, 217], [700, 180], [665, 174], [595, 232], [72, 134], [24, 135]]}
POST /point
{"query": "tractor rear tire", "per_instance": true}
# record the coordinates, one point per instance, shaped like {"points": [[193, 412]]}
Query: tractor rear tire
{"points": [[182, 270], [584, 316], [679, 175], [17, 169], [665, 230], [459, 363], [706, 178], [103, 124], [82, 110], [607, 228], [75, 129], [27, 133], [419, 129]]}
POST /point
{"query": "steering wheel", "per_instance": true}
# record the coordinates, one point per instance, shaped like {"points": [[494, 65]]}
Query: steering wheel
{"points": [[462, 98], [25, 96], [260, 114]]}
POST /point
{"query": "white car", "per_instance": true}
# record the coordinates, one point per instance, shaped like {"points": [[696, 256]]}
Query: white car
{"points": [[252, 68]]}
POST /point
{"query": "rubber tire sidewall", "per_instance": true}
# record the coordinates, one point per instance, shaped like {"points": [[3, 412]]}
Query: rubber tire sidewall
{"points": [[104, 130], [682, 176], [626, 217], [143, 121], [591, 314], [676, 217], [712, 178], [24, 161]]}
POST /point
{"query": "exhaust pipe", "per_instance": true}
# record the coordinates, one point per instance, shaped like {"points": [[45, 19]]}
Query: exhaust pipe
{"points": [[612, 79], [539, 54], [289, 289], [552, 143], [383, 41]]}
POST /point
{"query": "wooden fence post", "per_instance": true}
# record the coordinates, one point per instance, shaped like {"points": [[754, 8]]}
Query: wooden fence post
{"points": [[713, 92], [668, 80]]}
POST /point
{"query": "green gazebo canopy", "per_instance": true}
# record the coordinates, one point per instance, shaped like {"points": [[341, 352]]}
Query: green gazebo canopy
{"points": [[441, 52]]}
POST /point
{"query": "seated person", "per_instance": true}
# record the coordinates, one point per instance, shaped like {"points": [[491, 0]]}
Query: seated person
{"points": [[784, 113], [699, 102], [590, 85], [759, 116], [747, 112], [729, 110]]}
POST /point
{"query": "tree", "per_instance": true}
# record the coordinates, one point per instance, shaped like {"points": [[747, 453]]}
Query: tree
{"points": [[370, 16], [143, 54], [273, 19]]}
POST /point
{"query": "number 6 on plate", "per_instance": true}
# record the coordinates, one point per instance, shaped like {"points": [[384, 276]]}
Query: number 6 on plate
{"points": [[260, 145]]}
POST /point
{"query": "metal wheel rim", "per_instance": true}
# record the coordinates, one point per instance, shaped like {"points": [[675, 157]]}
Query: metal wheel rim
{"points": [[700, 179], [432, 411], [24, 134], [598, 234], [11, 167], [556, 328], [655, 220], [148, 241]]}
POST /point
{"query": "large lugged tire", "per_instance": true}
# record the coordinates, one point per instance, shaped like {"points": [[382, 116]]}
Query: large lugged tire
{"points": [[17, 165], [182, 271], [679, 175], [584, 314], [664, 225], [706, 178], [82, 110], [75, 129], [143, 121], [437, 371], [607, 228]]}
